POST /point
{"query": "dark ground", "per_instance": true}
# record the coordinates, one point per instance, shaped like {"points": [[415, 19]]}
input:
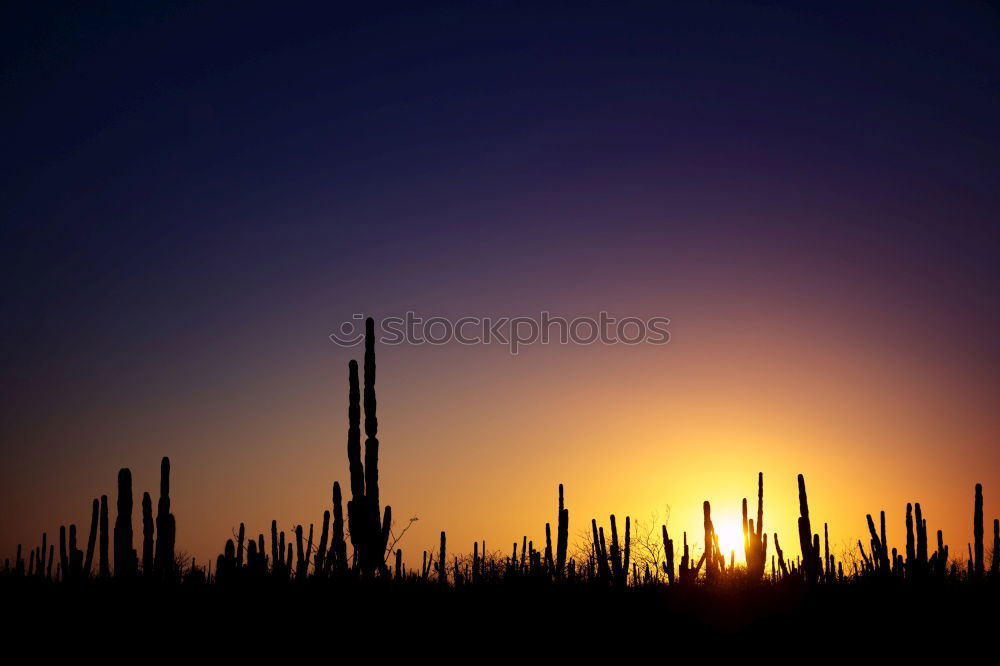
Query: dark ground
{"points": [[400, 622]]}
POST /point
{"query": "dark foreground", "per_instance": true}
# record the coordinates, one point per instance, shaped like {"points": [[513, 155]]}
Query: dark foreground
{"points": [[401, 621]]}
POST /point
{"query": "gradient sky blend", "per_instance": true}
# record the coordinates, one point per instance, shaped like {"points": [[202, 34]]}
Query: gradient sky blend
{"points": [[194, 197]]}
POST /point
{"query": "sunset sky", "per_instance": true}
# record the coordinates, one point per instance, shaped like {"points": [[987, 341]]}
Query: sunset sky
{"points": [[195, 197]]}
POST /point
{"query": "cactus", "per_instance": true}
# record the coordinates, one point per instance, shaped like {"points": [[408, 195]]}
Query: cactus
{"points": [[668, 555], [619, 554], [147, 535], [75, 555], [550, 565], [225, 567], [441, 563], [88, 563], [628, 548], [615, 554], [240, 537], [754, 537], [166, 526], [710, 541], [320, 562], [369, 532], [977, 531], [300, 563], [921, 522], [884, 541], [252, 558], [126, 562], [562, 536], [864, 558], [338, 546], [275, 555], [600, 552], [781, 556], [911, 544], [40, 569], [357, 469], [686, 573], [309, 548], [880, 555], [827, 563], [941, 556], [810, 546], [63, 555], [103, 566]]}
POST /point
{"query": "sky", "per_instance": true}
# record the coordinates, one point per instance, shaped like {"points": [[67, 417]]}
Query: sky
{"points": [[196, 195]]}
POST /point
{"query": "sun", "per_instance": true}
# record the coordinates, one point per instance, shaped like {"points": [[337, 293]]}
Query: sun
{"points": [[730, 534]]}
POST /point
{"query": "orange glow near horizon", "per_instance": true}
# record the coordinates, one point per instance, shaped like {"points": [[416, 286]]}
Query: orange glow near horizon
{"points": [[475, 442]]}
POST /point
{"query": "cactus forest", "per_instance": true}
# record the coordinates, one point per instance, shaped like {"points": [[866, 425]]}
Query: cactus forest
{"points": [[353, 544]]}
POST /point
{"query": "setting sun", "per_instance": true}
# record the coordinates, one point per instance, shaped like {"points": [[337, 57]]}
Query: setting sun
{"points": [[729, 530]]}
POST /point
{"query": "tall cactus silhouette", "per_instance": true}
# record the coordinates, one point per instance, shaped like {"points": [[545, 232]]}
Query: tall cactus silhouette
{"points": [[442, 567], [88, 563], [369, 530], [562, 536], [921, 524], [338, 546], [600, 552], [615, 553], [880, 553], [75, 556], [754, 537], [40, 571], [808, 542], [668, 555], [302, 559], [147, 535], [126, 563], [977, 531], [319, 563], [619, 553], [710, 566], [911, 543], [550, 565], [781, 556], [941, 556], [276, 556], [166, 526], [240, 538]]}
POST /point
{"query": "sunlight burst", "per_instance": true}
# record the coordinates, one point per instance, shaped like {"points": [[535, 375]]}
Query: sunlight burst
{"points": [[730, 533]]}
